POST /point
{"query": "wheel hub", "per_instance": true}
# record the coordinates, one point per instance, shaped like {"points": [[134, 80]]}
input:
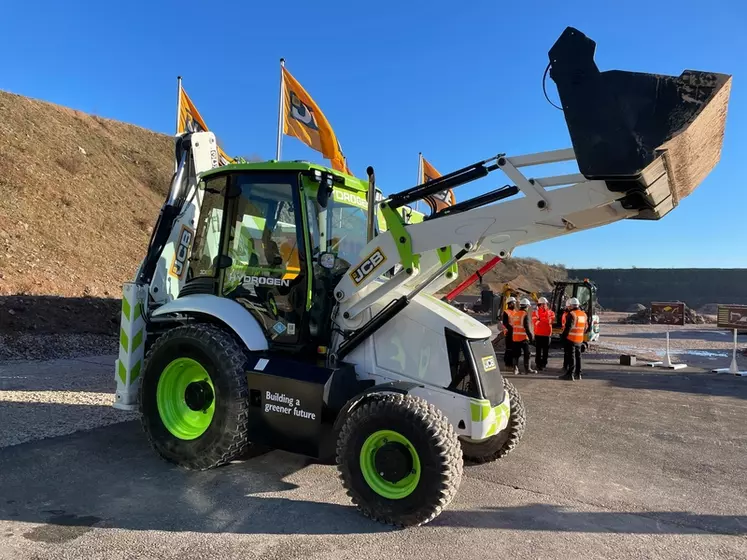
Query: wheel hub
{"points": [[389, 464], [393, 462], [185, 397], [198, 396]]}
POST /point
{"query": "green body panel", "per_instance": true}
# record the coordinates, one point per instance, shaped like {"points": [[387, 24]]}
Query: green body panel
{"points": [[307, 249], [350, 182], [396, 226], [444, 256]]}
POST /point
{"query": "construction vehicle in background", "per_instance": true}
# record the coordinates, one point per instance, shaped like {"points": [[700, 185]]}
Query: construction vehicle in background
{"points": [[267, 310], [585, 291]]}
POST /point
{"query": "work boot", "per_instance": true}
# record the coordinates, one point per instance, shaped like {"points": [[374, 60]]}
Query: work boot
{"points": [[528, 368], [566, 377], [577, 376], [516, 369]]}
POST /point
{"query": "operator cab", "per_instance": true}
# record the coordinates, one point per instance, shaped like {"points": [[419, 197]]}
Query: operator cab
{"points": [[276, 238]]}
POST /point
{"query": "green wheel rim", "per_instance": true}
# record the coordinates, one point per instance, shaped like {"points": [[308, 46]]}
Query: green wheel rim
{"points": [[391, 490], [171, 398]]}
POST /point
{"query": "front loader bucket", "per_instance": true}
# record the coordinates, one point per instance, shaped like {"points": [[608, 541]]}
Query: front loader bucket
{"points": [[651, 136]]}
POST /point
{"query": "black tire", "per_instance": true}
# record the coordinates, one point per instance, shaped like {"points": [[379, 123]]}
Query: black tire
{"points": [[433, 439], [223, 358], [501, 444]]}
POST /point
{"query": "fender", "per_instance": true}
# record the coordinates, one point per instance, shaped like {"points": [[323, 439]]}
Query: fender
{"points": [[227, 311], [402, 387]]}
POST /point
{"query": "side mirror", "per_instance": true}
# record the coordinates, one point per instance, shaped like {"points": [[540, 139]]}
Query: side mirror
{"points": [[327, 260], [325, 188]]}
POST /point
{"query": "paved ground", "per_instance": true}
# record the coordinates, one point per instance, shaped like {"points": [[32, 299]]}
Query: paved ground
{"points": [[641, 464]]}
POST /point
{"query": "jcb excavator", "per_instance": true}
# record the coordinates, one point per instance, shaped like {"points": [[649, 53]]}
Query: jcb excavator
{"points": [[267, 310], [585, 291]]}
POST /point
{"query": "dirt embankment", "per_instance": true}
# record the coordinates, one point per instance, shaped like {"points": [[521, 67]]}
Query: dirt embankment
{"points": [[527, 273], [79, 197]]}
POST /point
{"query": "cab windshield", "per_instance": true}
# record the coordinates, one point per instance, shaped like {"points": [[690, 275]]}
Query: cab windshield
{"points": [[343, 223], [347, 231]]}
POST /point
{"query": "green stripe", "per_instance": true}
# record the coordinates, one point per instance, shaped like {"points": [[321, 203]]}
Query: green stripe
{"points": [[122, 372], [137, 340], [126, 308], [395, 225], [123, 340], [138, 311], [475, 410], [135, 372], [307, 249]]}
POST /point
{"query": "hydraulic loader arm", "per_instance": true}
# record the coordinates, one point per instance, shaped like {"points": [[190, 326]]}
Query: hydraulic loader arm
{"points": [[641, 141]]}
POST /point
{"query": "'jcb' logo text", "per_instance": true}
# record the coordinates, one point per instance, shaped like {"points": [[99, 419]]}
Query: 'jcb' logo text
{"points": [[182, 250], [371, 263]]}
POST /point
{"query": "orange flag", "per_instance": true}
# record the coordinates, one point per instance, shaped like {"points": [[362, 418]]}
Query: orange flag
{"points": [[191, 120], [303, 119], [439, 200]]}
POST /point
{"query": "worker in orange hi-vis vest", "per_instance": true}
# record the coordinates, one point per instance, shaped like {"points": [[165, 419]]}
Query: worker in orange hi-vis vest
{"points": [[567, 348], [573, 334], [542, 319], [508, 355], [522, 336]]}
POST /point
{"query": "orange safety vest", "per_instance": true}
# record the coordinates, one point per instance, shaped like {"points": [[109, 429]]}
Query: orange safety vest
{"points": [[576, 335], [517, 322], [510, 313], [543, 320]]}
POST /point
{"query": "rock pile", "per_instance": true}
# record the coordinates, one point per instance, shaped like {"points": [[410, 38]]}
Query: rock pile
{"points": [[643, 317]]}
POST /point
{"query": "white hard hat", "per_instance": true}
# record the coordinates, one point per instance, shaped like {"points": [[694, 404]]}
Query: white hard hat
{"points": [[524, 302], [573, 301], [542, 300], [512, 299]]}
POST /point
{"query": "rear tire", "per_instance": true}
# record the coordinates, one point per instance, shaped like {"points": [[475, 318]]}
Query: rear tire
{"points": [[399, 459], [194, 397], [502, 443]]}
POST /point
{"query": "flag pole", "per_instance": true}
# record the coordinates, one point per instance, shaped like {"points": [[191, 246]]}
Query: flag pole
{"points": [[178, 112], [420, 177], [178, 101], [281, 113]]}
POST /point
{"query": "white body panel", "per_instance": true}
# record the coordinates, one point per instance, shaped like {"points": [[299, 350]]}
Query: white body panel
{"points": [[225, 310], [412, 347], [172, 267], [132, 334]]}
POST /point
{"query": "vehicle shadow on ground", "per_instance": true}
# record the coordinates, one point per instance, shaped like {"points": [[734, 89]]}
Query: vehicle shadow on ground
{"points": [[549, 517], [55, 314], [110, 477]]}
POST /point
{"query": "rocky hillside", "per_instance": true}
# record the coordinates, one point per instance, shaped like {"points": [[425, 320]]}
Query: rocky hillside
{"points": [[79, 196], [526, 273]]}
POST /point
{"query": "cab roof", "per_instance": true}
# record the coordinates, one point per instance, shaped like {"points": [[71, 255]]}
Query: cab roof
{"points": [[350, 182]]}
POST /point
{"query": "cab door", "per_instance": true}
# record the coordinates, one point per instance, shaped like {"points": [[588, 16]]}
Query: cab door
{"points": [[268, 273]]}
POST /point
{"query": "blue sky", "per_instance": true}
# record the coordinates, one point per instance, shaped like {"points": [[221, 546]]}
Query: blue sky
{"points": [[459, 81]]}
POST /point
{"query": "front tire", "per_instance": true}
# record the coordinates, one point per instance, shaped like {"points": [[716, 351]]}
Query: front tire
{"points": [[194, 397], [399, 459], [505, 441]]}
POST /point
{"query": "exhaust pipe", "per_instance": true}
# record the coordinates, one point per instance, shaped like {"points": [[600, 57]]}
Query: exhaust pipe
{"points": [[651, 137]]}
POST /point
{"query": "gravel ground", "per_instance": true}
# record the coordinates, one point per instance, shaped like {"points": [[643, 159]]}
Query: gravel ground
{"points": [[25, 346], [46, 399], [624, 465]]}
